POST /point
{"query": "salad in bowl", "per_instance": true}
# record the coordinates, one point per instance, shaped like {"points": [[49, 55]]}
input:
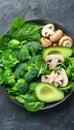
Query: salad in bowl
{"points": [[37, 63]]}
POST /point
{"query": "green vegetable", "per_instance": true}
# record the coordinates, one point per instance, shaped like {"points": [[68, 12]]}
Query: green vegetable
{"points": [[13, 44], [20, 86], [30, 31], [40, 66], [69, 86], [9, 58], [29, 50], [32, 104], [8, 77], [32, 87], [31, 74], [48, 93], [20, 70], [18, 23], [4, 39], [64, 51]]}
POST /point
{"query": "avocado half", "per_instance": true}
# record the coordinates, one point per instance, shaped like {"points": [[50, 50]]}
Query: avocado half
{"points": [[48, 93], [61, 50]]}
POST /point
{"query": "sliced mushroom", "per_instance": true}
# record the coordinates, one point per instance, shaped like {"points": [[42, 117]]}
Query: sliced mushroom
{"points": [[61, 78], [66, 41], [56, 36], [48, 30], [45, 42], [48, 78], [53, 60], [57, 78]]}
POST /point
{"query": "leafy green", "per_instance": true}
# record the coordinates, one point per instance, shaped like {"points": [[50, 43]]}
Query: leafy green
{"points": [[4, 39], [9, 58], [18, 23], [69, 86], [40, 66], [30, 31], [32, 104]]}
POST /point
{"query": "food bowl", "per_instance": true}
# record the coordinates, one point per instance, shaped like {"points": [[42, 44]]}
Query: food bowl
{"points": [[58, 26]]}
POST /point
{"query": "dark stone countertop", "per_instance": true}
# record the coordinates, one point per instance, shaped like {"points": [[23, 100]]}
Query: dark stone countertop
{"points": [[13, 117]]}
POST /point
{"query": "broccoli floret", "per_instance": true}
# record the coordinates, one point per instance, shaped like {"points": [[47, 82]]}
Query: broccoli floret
{"points": [[8, 77], [13, 44]]}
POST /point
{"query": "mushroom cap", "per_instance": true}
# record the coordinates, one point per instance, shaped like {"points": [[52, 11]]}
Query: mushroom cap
{"points": [[56, 36], [53, 60], [48, 30], [66, 41], [45, 42]]}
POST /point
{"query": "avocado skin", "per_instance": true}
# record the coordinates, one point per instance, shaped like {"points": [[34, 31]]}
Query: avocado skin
{"points": [[61, 50], [53, 93]]}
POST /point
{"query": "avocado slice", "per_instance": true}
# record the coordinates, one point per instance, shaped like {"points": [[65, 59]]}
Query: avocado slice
{"points": [[48, 93], [64, 51]]}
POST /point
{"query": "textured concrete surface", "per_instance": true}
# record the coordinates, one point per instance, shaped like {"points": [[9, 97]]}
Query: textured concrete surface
{"points": [[13, 117]]}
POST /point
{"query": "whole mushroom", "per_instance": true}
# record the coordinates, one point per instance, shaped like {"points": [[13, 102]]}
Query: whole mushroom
{"points": [[66, 41], [53, 60], [56, 36], [57, 78], [45, 42], [48, 30]]}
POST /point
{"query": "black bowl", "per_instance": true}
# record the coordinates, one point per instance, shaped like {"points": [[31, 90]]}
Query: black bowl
{"points": [[58, 26]]}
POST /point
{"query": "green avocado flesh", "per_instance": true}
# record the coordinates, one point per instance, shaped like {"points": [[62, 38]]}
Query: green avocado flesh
{"points": [[64, 51], [48, 93]]}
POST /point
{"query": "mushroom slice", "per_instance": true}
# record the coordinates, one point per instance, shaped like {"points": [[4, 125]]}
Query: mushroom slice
{"points": [[48, 30], [61, 78], [53, 60], [48, 78], [66, 41], [56, 78]]}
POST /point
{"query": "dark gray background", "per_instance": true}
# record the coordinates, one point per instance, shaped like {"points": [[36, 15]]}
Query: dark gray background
{"points": [[13, 117]]}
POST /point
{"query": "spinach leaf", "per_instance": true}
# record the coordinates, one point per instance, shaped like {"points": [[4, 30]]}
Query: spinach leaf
{"points": [[69, 86], [9, 58], [40, 66], [30, 31], [18, 23], [4, 39], [31, 103]]}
